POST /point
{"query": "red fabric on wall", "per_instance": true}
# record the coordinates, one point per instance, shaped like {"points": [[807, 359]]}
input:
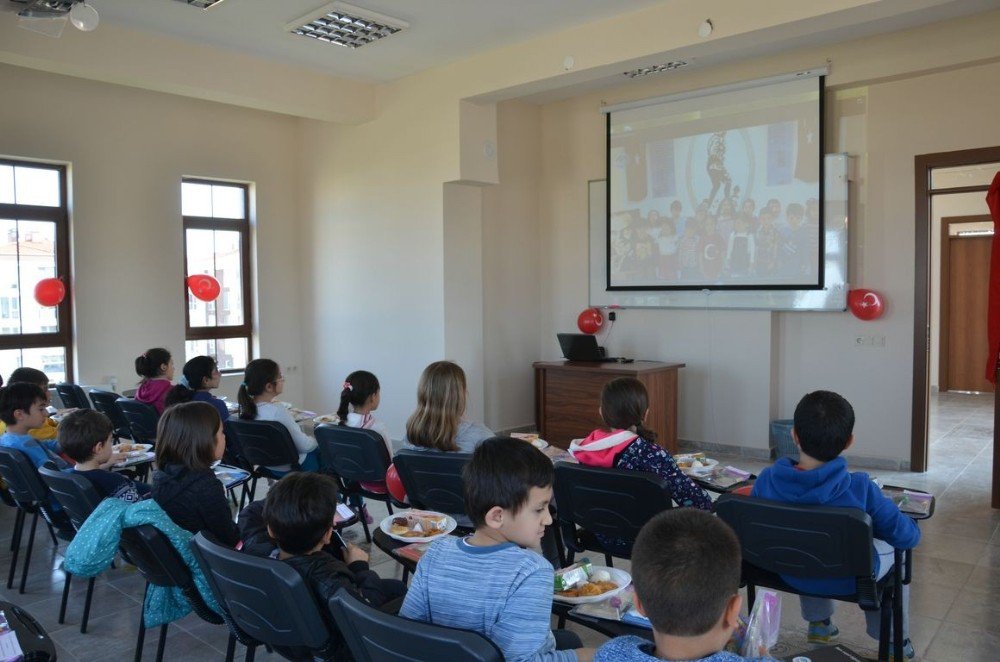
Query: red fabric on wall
{"points": [[993, 202]]}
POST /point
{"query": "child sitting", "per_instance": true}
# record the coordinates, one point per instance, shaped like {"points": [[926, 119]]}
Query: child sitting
{"points": [[22, 408], [156, 368], [490, 581], [359, 398], [199, 376], [439, 422], [686, 573], [47, 430], [630, 445], [262, 383], [85, 436], [823, 428], [299, 513], [189, 440]]}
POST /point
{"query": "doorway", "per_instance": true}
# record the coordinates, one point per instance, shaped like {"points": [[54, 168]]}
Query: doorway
{"points": [[965, 245], [937, 176]]}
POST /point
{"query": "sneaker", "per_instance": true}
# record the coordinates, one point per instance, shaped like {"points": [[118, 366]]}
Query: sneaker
{"points": [[822, 632], [908, 653], [368, 518]]}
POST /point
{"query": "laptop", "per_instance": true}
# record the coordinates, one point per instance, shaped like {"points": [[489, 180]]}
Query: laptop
{"points": [[582, 347]]}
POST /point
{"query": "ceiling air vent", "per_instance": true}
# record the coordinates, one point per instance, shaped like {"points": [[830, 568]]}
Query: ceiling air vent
{"points": [[345, 25]]}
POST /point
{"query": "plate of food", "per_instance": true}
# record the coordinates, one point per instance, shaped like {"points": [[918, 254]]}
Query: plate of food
{"points": [[695, 464], [132, 450], [326, 418], [582, 582], [417, 525], [531, 438]]}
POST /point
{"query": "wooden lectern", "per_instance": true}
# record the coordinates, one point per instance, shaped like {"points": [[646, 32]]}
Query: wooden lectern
{"points": [[568, 395]]}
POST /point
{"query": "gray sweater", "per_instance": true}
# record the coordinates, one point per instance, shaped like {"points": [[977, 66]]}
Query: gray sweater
{"points": [[468, 437]]}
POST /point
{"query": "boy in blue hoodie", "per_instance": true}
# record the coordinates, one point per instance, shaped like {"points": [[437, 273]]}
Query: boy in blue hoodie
{"points": [[823, 428]]}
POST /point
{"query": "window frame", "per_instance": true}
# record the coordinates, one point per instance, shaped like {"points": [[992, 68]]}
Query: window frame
{"points": [[59, 216], [242, 226]]}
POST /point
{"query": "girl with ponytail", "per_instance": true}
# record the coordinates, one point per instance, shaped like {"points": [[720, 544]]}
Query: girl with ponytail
{"points": [[359, 398], [262, 383], [629, 444], [200, 375], [156, 368]]}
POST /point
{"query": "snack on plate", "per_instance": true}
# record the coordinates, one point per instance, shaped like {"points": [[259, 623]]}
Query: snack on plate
{"points": [[124, 448], [692, 461], [418, 524], [588, 589], [570, 576]]}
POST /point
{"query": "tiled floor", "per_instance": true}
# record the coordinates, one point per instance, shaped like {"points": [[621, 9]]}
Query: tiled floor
{"points": [[955, 610]]}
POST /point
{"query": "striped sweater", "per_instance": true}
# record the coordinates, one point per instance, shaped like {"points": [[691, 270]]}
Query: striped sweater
{"points": [[502, 591]]}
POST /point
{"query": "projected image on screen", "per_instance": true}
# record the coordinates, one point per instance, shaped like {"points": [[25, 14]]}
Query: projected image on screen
{"points": [[717, 191]]}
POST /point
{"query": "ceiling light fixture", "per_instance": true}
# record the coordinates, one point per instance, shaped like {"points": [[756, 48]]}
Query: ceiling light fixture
{"points": [[345, 25], [202, 4], [49, 17], [655, 69]]}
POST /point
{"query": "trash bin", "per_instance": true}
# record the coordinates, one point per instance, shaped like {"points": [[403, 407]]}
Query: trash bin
{"points": [[781, 439]]}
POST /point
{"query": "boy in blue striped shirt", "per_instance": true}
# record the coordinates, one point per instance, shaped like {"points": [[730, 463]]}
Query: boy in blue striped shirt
{"points": [[494, 581]]}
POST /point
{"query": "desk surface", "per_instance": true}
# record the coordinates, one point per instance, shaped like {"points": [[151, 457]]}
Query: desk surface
{"points": [[610, 367]]}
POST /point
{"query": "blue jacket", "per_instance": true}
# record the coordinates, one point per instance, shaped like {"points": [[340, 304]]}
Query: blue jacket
{"points": [[833, 485], [93, 549]]}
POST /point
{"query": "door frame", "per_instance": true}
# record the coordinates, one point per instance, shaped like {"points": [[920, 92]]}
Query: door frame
{"points": [[944, 331], [923, 164]]}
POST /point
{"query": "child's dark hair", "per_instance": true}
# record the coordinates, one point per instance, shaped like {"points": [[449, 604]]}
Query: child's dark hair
{"points": [[624, 403], [358, 387], [81, 430], [299, 510], [502, 472], [258, 374], [196, 371], [18, 395], [147, 364], [185, 435], [686, 567], [824, 423], [29, 376]]}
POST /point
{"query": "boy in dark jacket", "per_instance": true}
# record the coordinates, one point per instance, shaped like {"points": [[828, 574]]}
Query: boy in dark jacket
{"points": [[823, 429], [298, 514]]}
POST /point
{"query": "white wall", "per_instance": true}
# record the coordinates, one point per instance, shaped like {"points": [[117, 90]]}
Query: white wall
{"points": [[128, 150]]}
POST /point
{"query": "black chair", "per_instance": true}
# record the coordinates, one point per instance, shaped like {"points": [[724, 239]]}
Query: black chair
{"points": [[814, 542], [234, 457], [266, 600], [72, 396], [32, 498], [433, 481], [611, 503], [142, 420], [78, 497], [151, 552], [375, 636], [356, 456], [106, 402], [264, 444]]}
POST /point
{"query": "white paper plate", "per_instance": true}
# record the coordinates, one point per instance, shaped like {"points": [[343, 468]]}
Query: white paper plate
{"points": [[620, 577], [326, 418], [449, 526], [135, 451], [709, 465]]}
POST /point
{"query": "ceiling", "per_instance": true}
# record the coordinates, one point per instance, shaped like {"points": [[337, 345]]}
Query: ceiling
{"points": [[441, 31]]}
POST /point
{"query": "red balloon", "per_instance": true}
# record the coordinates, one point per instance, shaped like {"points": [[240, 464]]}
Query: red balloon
{"points": [[394, 484], [50, 292], [204, 287], [866, 305], [590, 320]]}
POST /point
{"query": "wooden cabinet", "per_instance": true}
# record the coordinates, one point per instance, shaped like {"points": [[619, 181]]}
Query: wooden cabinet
{"points": [[568, 395]]}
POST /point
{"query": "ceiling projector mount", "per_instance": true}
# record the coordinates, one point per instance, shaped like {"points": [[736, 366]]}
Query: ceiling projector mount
{"points": [[49, 17]]}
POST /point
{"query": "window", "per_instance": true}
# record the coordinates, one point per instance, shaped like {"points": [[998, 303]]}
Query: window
{"points": [[34, 244], [217, 243]]}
